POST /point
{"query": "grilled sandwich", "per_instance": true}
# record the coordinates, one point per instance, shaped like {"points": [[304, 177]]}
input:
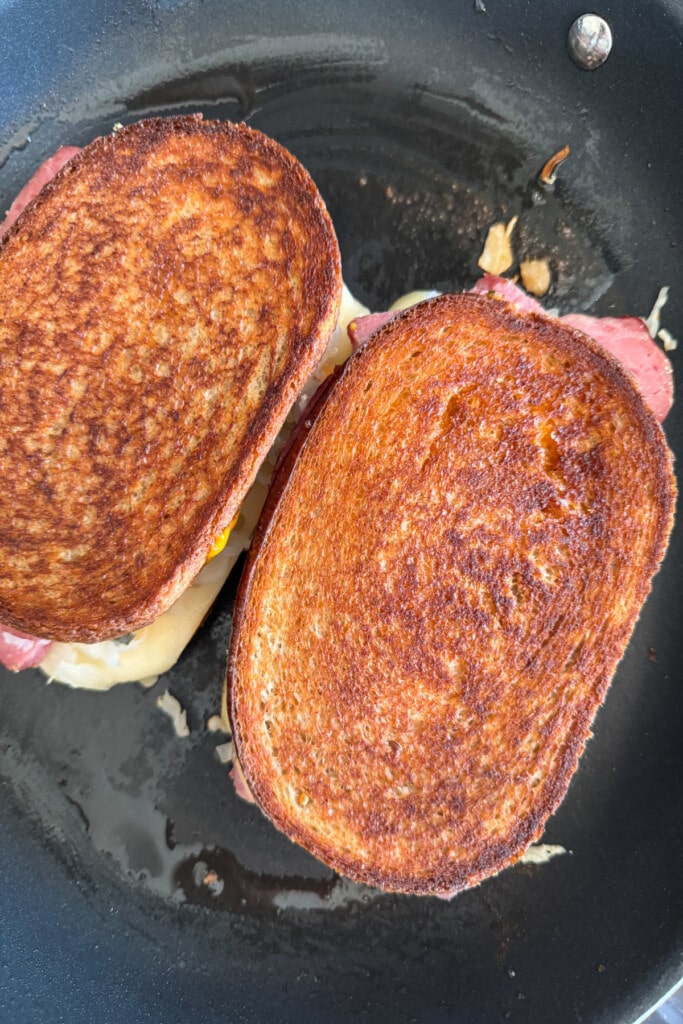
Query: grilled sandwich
{"points": [[164, 298], [450, 565]]}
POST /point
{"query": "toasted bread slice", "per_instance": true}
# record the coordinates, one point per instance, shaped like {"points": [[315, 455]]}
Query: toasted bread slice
{"points": [[446, 576], [163, 300]]}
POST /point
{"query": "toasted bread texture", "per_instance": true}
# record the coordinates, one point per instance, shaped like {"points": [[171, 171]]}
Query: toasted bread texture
{"points": [[163, 300], [442, 585]]}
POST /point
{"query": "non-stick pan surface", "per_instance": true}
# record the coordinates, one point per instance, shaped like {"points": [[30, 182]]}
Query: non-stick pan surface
{"points": [[422, 124]]}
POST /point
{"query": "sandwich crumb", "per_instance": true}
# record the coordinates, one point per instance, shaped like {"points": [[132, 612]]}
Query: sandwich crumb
{"points": [[172, 707], [216, 724], [536, 276], [548, 173], [653, 320], [213, 882], [541, 853], [670, 343], [203, 875], [497, 255], [224, 752]]}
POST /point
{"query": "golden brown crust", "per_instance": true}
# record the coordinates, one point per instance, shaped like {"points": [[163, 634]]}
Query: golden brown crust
{"points": [[164, 299], [440, 592]]}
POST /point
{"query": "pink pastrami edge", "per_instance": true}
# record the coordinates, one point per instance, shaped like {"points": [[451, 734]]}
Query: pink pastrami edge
{"points": [[19, 650], [43, 175], [240, 783]]}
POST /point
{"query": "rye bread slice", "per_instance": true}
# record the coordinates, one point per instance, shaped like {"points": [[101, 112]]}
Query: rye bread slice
{"points": [[163, 300], [443, 582]]}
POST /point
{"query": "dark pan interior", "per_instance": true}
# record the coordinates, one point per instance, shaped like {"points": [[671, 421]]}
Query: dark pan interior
{"points": [[421, 124]]}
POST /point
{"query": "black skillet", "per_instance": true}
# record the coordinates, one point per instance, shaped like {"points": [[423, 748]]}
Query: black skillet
{"points": [[422, 123]]}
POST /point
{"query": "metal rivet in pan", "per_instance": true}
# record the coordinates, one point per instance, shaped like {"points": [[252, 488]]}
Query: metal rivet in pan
{"points": [[590, 41]]}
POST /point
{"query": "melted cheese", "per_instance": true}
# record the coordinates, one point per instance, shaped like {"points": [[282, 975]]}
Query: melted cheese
{"points": [[153, 649], [412, 299], [222, 539]]}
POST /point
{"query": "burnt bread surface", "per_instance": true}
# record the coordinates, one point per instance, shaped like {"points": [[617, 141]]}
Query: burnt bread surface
{"points": [[163, 300], [442, 584]]}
